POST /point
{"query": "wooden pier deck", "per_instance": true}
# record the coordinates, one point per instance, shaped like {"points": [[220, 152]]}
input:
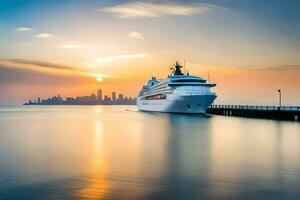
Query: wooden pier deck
{"points": [[291, 113]]}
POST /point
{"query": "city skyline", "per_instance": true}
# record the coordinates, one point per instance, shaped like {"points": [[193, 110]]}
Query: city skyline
{"points": [[92, 99], [250, 48]]}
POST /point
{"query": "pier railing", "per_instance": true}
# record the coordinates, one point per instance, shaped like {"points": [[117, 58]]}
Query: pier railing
{"points": [[266, 112], [256, 107]]}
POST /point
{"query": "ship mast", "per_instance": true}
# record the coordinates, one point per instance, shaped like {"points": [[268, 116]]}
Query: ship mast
{"points": [[177, 67]]}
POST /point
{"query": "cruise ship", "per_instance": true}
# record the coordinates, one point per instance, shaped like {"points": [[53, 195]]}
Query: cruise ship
{"points": [[178, 93]]}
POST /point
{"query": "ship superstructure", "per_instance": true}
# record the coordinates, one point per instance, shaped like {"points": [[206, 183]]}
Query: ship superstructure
{"points": [[178, 93]]}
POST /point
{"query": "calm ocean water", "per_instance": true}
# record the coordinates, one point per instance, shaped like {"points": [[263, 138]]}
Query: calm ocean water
{"points": [[116, 152]]}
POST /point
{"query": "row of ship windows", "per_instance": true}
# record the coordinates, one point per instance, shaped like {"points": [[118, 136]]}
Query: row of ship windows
{"points": [[156, 97], [158, 86], [162, 90], [189, 80], [182, 80]]}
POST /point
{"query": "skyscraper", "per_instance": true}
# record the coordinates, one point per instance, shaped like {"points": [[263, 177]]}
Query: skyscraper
{"points": [[113, 96], [99, 96]]}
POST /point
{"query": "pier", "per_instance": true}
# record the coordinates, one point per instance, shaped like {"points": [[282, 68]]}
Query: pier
{"points": [[291, 113]]}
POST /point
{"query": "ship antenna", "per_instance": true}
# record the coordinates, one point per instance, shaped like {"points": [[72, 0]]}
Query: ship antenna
{"points": [[184, 66], [208, 76], [172, 70], [187, 72]]}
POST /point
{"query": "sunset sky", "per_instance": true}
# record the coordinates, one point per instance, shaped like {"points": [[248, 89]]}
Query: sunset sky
{"points": [[251, 48]]}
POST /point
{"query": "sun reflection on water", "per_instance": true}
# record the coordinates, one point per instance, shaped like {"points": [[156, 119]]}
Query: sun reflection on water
{"points": [[97, 183], [98, 109]]}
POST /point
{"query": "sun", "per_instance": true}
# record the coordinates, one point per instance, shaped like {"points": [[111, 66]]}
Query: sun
{"points": [[99, 78]]}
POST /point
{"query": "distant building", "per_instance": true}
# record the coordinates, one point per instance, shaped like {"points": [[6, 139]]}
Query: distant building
{"points": [[114, 96], [93, 99], [56, 100], [107, 100], [70, 101], [99, 97]]}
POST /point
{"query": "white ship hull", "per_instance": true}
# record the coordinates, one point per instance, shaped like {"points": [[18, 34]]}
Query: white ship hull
{"points": [[175, 103]]}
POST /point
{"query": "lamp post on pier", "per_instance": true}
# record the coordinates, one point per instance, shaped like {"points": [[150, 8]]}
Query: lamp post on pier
{"points": [[279, 96]]}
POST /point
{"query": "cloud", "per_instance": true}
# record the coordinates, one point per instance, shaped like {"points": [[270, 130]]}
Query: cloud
{"points": [[150, 9], [135, 35], [129, 56], [49, 68], [20, 76], [42, 67], [24, 29], [277, 68], [44, 35], [69, 46], [109, 59]]}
